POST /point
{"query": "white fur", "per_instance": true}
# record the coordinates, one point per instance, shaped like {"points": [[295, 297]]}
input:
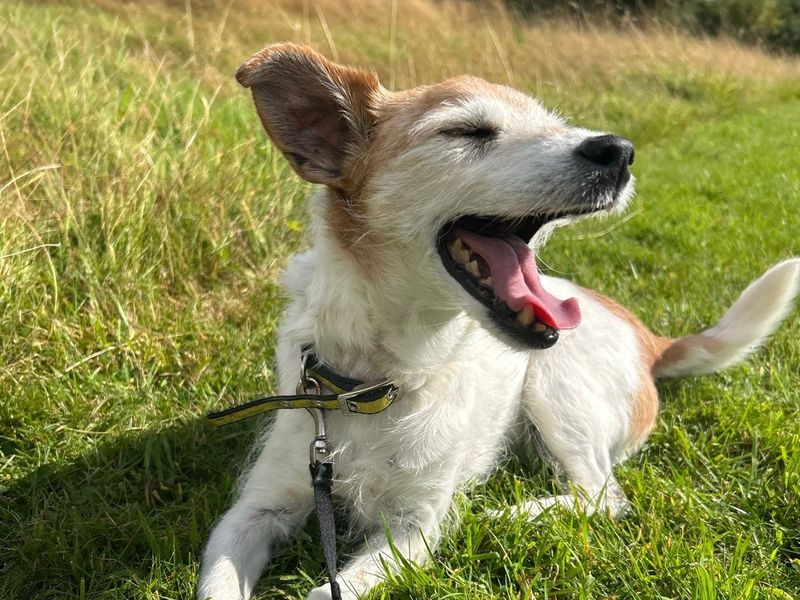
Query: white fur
{"points": [[465, 391], [752, 318]]}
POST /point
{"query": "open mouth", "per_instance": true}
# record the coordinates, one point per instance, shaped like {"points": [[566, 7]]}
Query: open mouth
{"points": [[491, 259]]}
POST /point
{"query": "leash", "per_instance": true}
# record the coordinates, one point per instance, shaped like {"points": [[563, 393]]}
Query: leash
{"points": [[349, 396]]}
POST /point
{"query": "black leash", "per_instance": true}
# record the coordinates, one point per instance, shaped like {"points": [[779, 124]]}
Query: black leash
{"points": [[322, 479], [349, 396]]}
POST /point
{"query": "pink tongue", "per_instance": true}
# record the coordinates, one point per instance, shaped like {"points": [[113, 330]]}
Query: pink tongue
{"points": [[516, 279]]}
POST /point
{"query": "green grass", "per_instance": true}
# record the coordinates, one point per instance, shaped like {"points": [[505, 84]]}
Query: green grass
{"points": [[144, 220]]}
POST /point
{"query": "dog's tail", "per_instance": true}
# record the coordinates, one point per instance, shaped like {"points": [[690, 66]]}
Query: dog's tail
{"points": [[751, 319]]}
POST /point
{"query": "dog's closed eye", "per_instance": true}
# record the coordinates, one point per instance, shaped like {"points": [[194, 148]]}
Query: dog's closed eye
{"points": [[479, 133]]}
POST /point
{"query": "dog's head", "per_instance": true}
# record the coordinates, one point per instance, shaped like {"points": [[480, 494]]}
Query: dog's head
{"points": [[443, 188]]}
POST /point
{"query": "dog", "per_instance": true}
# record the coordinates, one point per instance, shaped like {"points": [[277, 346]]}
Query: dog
{"points": [[432, 204]]}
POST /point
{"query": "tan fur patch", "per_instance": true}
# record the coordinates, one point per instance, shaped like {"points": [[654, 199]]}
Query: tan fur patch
{"points": [[674, 353], [643, 414], [396, 114]]}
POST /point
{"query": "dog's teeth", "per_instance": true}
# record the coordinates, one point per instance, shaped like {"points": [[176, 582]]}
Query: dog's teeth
{"points": [[473, 269], [487, 281], [459, 252], [525, 316], [540, 327]]}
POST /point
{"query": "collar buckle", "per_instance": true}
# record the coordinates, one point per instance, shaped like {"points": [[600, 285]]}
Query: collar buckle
{"points": [[345, 398]]}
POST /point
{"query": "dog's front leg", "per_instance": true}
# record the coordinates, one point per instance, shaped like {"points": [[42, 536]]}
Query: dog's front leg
{"points": [[410, 537], [367, 569], [580, 434], [274, 501]]}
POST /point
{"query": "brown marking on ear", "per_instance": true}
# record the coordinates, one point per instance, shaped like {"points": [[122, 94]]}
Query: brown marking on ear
{"points": [[644, 407], [317, 113], [320, 115]]}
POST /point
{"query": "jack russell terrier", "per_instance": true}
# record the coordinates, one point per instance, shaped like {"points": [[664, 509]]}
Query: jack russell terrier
{"points": [[423, 272]]}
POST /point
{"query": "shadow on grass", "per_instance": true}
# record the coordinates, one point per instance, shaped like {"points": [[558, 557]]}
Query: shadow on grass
{"points": [[130, 517]]}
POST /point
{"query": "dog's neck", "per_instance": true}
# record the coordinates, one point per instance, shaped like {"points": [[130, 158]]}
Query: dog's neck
{"points": [[369, 325]]}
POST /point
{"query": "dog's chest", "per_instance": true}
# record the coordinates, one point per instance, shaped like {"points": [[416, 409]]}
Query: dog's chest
{"points": [[443, 435]]}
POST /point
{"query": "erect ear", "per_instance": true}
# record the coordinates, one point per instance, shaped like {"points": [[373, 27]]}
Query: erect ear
{"points": [[317, 113]]}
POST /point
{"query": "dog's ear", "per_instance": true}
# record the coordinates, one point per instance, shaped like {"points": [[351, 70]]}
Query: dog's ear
{"points": [[317, 113]]}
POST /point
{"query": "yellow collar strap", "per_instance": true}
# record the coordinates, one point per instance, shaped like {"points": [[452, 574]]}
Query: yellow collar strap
{"points": [[349, 396]]}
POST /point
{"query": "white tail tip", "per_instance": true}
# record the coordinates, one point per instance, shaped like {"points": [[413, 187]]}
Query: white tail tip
{"points": [[749, 321]]}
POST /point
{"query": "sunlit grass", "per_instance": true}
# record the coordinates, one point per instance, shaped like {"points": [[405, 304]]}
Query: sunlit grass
{"points": [[144, 220]]}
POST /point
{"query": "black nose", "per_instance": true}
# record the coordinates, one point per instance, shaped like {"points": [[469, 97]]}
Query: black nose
{"points": [[610, 151]]}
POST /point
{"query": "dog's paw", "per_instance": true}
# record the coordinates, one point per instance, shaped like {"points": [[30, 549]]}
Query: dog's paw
{"points": [[323, 592], [612, 505], [211, 588]]}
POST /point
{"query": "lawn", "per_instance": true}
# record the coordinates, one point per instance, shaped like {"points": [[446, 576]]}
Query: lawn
{"points": [[144, 219]]}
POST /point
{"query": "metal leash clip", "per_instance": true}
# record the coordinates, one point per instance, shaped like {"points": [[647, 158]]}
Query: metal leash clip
{"points": [[319, 450]]}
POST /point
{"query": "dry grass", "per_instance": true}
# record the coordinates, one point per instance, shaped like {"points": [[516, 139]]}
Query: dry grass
{"points": [[410, 42]]}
